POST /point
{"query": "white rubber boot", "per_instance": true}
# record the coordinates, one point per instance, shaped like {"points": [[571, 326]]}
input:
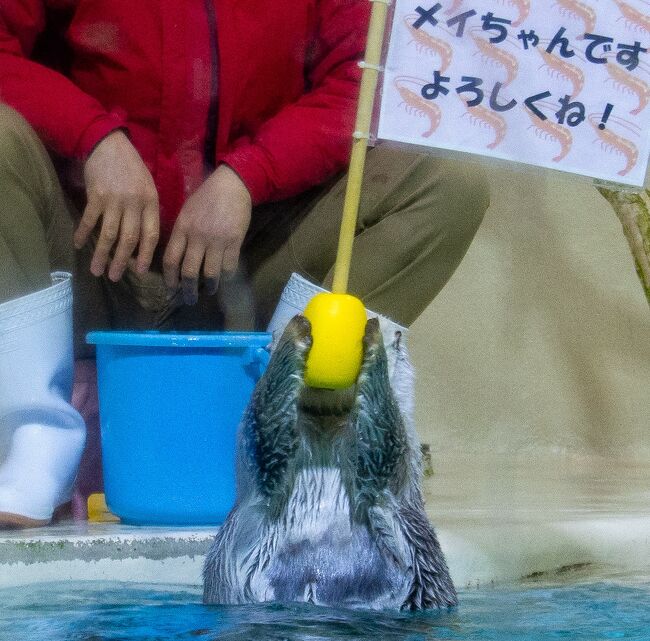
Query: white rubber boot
{"points": [[41, 435]]}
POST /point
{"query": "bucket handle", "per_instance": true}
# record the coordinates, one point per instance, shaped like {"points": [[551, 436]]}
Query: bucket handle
{"points": [[260, 357]]}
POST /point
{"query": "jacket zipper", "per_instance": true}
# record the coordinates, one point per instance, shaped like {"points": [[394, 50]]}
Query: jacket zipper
{"points": [[210, 144]]}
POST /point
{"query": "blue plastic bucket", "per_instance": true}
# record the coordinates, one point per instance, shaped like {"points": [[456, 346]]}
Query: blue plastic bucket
{"points": [[169, 406]]}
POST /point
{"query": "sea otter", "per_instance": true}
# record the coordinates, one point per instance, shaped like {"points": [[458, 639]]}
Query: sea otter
{"points": [[329, 508]]}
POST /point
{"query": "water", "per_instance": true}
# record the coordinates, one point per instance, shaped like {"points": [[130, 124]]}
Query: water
{"points": [[115, 611]]}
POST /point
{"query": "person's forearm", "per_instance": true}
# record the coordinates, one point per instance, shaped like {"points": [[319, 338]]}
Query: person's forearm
{"points": [[68, 120], [309, 141]]}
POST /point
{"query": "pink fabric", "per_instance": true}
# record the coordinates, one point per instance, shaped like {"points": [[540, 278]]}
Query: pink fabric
{"points": [[85, 400]]}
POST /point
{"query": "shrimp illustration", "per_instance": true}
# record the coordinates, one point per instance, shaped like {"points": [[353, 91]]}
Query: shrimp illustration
{"points": [[486, 118], [628, 83], [493, 53], [616, 144], [579, 11], [633, 16], [426, 42], [523, 9], [551, 131], [409, 90], [565, 70], [455, 5]]}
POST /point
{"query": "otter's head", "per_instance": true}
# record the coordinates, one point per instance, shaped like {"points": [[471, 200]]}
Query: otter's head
{"points": [[333, 406]]}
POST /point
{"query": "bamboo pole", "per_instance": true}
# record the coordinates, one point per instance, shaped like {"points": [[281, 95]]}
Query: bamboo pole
{"points": [[369, 79]]}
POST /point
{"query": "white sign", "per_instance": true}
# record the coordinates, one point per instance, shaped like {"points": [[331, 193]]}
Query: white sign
{"points": [[563, 84]]}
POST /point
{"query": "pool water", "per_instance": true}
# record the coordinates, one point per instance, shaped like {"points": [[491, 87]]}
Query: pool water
{"points": [[111, 611]]}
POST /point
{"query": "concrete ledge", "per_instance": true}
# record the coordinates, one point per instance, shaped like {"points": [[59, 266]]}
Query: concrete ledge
{"points": [[501, 520], [479, 552], [103, 552], [485, 553], [497, 522]]}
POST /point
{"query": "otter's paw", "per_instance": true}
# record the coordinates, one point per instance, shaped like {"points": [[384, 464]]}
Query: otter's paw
{"points": [[289, 357], [270, 421], [378, 429]]}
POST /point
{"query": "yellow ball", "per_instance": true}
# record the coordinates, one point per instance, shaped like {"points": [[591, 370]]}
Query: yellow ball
{"points": [[338, 323]]}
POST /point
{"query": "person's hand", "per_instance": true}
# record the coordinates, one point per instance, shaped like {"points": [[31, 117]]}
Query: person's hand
{"points": [[208, 232], [120, 191]]}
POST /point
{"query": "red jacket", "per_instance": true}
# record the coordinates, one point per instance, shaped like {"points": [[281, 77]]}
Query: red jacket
{"points": [[282, 101]]}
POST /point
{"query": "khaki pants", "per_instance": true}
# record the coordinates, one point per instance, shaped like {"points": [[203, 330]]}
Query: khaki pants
{"points": [[417, 218]]}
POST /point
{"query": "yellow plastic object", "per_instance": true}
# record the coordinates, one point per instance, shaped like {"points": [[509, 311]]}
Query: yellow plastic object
{"points": [[338, 319], [338, 323], [98, 510]]}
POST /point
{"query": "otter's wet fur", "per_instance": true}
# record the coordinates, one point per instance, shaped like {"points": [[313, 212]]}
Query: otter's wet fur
{"points": [[329, 508]]}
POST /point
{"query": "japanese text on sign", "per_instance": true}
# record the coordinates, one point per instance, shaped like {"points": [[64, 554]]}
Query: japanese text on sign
{"points": [[558, 84]]}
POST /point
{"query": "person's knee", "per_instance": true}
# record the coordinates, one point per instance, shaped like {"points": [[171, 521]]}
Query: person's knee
{"points": [[472, 191], [462, 193], [19, 143]]}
